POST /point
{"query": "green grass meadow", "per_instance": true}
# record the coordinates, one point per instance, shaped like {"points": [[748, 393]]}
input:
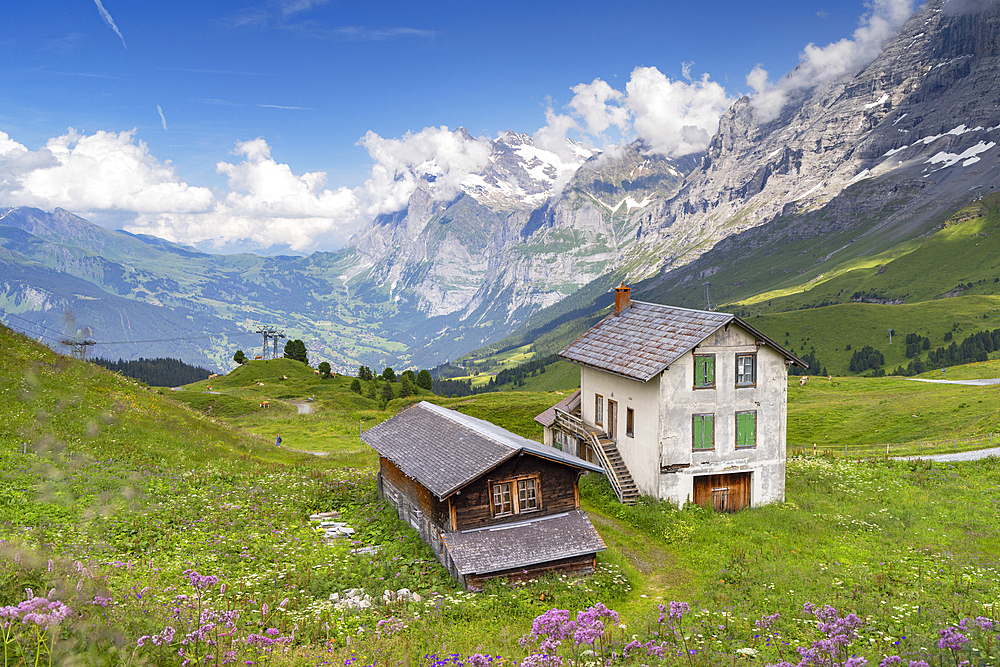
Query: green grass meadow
{"points": [[174, 532]]}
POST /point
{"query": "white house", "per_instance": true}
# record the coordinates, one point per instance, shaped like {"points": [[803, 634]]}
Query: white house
{"points": [[683, 405]]}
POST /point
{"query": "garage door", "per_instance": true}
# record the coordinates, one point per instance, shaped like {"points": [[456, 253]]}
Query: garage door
{"points": [[723, 493]]}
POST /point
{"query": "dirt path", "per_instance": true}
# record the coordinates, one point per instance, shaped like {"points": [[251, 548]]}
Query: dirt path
{"points": [[304, 406], [661, 573]]}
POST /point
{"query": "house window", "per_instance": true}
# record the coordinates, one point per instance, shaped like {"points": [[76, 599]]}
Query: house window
{"points": [[527, 495], [703, 432], [746, 429], [704, 371], [629, 422], [598, 409], [746, 370], [501, 499]]}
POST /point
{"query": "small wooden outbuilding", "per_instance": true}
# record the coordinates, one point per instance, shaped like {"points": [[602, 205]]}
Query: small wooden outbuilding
{"points": [[489, 503]]}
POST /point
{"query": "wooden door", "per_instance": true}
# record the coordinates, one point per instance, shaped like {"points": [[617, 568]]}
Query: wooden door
{"points": [[723, 493], [612, 419]]}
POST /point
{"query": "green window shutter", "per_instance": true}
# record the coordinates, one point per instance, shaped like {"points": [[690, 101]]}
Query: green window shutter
{"points": [[704, 371], [746, 429], [704, 432]]}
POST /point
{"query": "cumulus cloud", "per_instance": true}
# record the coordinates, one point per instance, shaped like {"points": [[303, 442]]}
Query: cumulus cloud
{"points": [[447, 157], [107, 175], [822, 64], [104, 171], [110, 21], [267, 204], [673, 117]]}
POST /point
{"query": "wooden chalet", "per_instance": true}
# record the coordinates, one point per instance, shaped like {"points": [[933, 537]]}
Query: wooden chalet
{"points": [[489, 503]]}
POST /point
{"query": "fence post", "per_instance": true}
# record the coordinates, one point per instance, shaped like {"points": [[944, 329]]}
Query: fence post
{"points": [[845, 451], [887, 450]]}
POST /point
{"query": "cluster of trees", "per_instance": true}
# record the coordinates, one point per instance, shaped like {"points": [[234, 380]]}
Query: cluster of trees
{"points": [[296, 349], [815, 366], [976, 347], [513, 377], [867, 358], [915, 343], [452, 387], [160, 372], [380, 387]]}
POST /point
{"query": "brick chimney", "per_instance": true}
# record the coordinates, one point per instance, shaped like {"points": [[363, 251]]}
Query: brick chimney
{"points": [[622, 299]]}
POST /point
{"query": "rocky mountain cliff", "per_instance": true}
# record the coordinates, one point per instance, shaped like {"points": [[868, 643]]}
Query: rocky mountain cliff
{"points": [[914, 134]]}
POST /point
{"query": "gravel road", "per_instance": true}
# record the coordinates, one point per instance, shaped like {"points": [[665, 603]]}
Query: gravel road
{"points": [[974, 455]]}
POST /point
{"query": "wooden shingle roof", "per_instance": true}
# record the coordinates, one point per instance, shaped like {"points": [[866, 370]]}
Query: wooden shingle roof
{"points": [[518, 545], [646, 338], [568, 404], [444, 450]]}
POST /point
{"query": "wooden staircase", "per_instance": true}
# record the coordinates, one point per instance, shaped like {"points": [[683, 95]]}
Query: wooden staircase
{"points": [[618, 474], [607, 452]]}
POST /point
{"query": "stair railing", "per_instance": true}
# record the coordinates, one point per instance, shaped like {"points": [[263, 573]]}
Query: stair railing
{"points": [[581, 429], [610, 469]]}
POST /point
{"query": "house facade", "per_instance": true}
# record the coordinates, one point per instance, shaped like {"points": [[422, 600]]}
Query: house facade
{"points": [[683, 405], [488, 502]]}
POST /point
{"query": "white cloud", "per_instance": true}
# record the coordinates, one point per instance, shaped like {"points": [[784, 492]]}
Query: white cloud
{"points": [[822, 64], [673, 117], [447, 156], [295, 6], [267, 204], [100, 172], [163, 118], [107, 175], [110, 21]]}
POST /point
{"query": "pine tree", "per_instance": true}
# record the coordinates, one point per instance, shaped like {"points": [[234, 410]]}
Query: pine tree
{"points": [[424, 380]]}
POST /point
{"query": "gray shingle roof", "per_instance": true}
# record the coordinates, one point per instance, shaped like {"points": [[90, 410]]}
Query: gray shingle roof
{"points": [[568, 404], [522, 544], [646, 338], [444, 450]]}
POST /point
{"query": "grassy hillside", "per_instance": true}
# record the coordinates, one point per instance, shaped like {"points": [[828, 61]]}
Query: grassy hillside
{"points": [[800, 290], [870, 411], [171, 536]]}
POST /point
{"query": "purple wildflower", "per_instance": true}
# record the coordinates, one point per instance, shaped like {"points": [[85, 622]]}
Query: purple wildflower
{"points": [[952, 639]]}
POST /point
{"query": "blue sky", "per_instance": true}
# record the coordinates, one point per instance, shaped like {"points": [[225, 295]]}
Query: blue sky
{"points": [[293, 85]]}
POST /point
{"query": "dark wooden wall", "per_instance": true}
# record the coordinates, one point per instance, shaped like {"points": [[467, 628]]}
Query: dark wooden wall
{"points": [[578, 565], [557, 491], [414, 496]]}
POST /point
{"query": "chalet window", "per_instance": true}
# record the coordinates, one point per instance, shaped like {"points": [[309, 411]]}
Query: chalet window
{"points": [[501, 499], [703, 432], [598, 409], [704, 371], [629, 422], [746, 429], [527, 495], [746, 370]]}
